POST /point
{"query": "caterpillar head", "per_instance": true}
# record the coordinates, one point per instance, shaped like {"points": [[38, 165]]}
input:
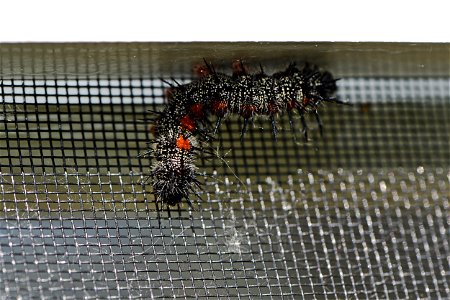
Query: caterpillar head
{"points": [[174, 177], [172, 182]]}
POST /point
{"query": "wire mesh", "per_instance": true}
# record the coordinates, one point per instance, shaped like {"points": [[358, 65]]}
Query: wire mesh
{"points": [[361, 212]]}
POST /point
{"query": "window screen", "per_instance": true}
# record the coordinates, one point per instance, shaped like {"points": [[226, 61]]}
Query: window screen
{"points": [[361, 212]]}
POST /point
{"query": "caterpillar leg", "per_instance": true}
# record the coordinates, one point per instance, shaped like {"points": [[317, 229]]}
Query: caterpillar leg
{"points": [[216, 127], [319, 121], [274, 127], [291, 124], [336, 100], [244, 128], [304, 126]]}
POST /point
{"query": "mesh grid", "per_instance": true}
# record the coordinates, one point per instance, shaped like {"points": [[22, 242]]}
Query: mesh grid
{"points": [[360, 213]]}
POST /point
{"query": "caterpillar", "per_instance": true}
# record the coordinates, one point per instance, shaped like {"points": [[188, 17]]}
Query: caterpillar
{"points": [[185, 120]]}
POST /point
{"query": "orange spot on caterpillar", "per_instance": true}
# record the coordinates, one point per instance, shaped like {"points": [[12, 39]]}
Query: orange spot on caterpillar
{"points": [[196, 110], [187, 123], [248, 110], [219, 107], [183, 143]]}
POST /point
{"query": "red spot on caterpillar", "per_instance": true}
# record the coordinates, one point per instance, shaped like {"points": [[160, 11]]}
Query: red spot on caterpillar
{"points": [[238, 68], [196, 110], [201, 70], [272, 108], [248, 110], [219, 107], [153, 130], [169, 93], [187, 123], [183, 143], [306, 101], [291, 104]]}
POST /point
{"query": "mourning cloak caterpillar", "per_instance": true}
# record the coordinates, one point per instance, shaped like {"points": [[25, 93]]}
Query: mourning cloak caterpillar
{"points": [[185, 121]]}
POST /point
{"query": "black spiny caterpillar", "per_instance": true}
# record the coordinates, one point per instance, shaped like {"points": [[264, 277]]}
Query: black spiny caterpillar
{"points": [[190, 106]]}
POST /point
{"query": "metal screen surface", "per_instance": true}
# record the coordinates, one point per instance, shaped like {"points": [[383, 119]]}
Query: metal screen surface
{"points": [[360, 213]]}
